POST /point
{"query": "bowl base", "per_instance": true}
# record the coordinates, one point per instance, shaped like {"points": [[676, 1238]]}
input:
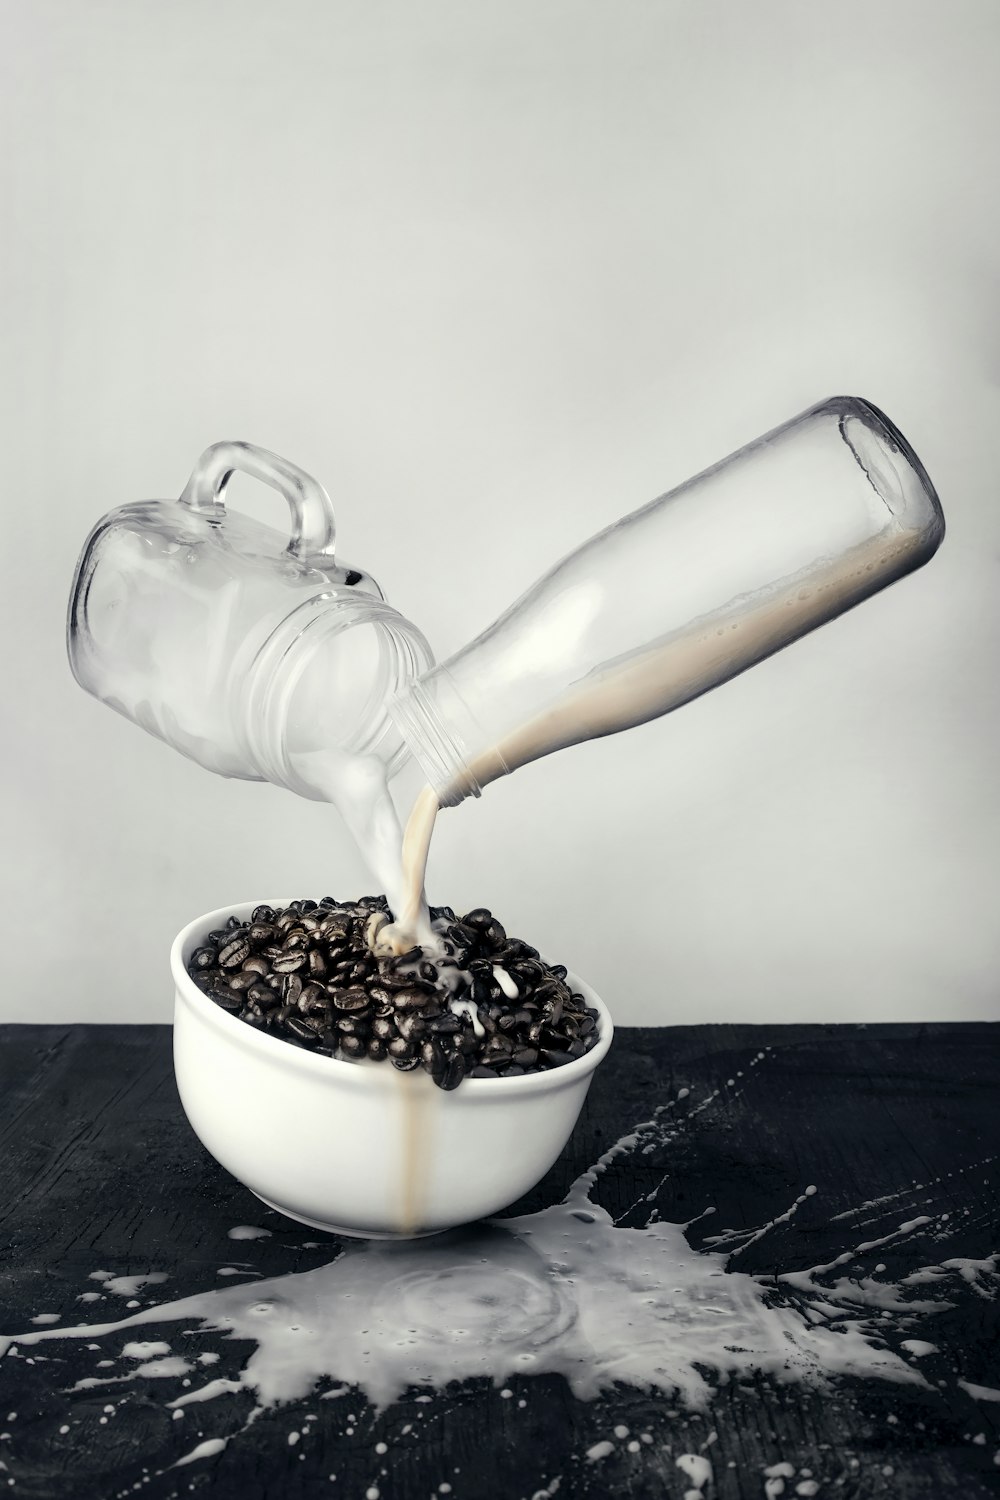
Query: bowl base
{"points": [[353, 1234]]}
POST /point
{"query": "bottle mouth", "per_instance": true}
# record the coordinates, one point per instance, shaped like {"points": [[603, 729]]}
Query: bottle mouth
{"points": [[432, 737], [318, 689], [892, 468]]}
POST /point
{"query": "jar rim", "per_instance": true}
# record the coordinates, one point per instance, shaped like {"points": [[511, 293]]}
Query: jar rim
{"points": [[278, 664]]}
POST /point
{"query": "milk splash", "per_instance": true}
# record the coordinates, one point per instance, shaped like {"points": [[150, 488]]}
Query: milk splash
{"points": [[564, 1291]]}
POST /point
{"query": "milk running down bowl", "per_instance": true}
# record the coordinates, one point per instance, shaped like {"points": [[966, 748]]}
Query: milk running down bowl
{"points": [[357, 1148]]}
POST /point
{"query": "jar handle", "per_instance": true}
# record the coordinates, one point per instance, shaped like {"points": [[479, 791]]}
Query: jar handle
{"points": [[313, 525]]}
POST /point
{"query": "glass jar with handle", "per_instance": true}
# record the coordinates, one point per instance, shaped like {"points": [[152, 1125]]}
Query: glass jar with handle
{"points": [[255, 654]]}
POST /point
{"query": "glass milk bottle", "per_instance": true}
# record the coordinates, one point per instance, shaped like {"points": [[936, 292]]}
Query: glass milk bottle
{"points": [[679, 596]]}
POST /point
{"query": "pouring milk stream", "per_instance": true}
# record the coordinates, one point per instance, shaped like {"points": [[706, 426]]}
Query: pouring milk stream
{"points": [[284, 664]]}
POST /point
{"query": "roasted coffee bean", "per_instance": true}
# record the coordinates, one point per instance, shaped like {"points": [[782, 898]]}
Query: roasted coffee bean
{"points": [[411, 956], [380, 994], [253, 1018], [384, 1027], [377, 1049], [526, 1057], [411, 1025], [241, 980], [291, 989], [428, 972], [400, 1048], [233, 924], [454, 1072], [231, 1001], [411, 999], [405, 1064], [553, 1010], [558, 971], [232, 954], [462, 935], [495, 1061], [349, 1000], [514, 1070], [390, 980], [446, 1024], [553, 1058], [317, 963], [302, 1030], [432, 1056], [260, 933], [260, 992], [256, 965], [479, 1071], [353, 1025], [203, 958], [335, 928], [288, 963]]}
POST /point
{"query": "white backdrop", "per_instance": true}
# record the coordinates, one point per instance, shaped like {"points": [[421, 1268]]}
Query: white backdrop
{"points": [[496, 274]]}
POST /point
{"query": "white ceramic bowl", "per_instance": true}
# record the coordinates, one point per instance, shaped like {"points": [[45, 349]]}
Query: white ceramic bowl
{"points": [[364, 1149]]}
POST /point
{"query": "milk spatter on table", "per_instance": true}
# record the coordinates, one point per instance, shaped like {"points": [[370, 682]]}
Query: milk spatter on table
{"points": [[275, 663]]}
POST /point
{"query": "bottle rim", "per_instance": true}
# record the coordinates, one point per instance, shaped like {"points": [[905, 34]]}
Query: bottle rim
{"points": [[435, 741]]}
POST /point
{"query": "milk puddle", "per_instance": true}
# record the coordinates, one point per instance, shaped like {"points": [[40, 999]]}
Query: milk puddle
{"points": [[565, 1291]]}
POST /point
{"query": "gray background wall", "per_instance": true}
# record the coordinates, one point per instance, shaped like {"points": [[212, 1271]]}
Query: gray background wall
{"points": [[498, 273]]}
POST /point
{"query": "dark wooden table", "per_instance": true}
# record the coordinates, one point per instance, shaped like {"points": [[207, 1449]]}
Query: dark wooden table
{"points": [[894, 1125]]}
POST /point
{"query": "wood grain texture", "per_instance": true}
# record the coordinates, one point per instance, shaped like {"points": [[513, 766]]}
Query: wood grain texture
{"points": [[100, 1171]]}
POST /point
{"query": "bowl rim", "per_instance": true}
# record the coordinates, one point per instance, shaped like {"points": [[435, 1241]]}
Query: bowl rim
{"points": [[281, 1052]]}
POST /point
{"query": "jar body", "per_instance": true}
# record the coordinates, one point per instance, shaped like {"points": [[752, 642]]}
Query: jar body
{"points": [[250, 656], [681, 595]]}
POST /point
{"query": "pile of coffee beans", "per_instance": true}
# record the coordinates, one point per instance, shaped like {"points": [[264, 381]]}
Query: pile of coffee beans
{"points": [[484, 1006]]}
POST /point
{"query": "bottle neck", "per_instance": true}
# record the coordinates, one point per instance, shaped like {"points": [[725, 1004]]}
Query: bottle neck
{"points": [[317, 690], [445, 737]]}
